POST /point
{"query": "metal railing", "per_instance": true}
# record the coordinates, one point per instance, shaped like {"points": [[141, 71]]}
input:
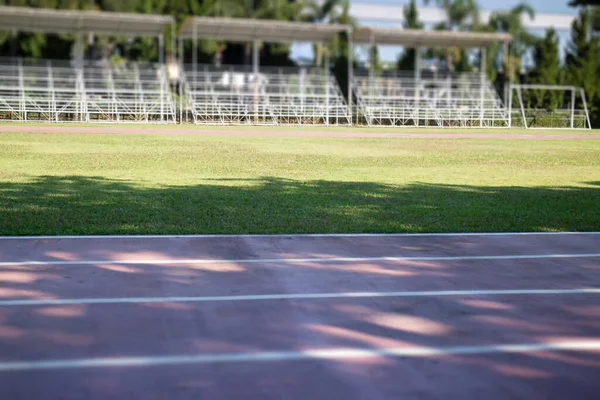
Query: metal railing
{"points": [[459, 100], [235, 95], [58, 91]]}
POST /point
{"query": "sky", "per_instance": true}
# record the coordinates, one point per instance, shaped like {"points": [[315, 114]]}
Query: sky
{"points": [[391, 54], [545, 6]]}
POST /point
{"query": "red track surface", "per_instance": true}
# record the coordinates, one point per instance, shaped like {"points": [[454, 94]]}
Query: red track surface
{"points": [[39, 269], [169, 130]]}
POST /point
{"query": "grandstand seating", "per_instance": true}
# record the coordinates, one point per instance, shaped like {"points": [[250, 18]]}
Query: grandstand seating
{"points": [[443, 100], [235, 95], [58, 91]]}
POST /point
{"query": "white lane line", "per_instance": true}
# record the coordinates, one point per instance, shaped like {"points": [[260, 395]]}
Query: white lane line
{"points": [[322, 354], [295, 260], [297, 296], [299, 235]]}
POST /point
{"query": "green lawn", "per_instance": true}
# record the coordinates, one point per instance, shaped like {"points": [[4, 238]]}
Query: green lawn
{"points": [[108, 184]]}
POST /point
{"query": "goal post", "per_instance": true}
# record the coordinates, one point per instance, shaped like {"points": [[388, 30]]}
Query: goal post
{"points": [[549, 107]]}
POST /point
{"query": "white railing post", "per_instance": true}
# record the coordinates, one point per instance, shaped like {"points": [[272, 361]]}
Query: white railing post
{"points": [[482, 91], [572, 108]]}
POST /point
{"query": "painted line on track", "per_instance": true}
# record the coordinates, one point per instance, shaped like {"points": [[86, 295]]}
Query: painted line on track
{"points": [[296, 260], [274, 356], [292, 235], [297, 296]]}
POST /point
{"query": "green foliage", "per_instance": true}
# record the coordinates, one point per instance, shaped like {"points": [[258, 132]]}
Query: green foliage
{"points": [[576, 3], [406, 62], [511, 22], [582, 63], [547, 71], [462, 15]]}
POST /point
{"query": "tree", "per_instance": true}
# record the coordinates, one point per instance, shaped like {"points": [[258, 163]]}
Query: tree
{"points": [[257, 9], [547, 71], [340, 49], [411, 21], [511, 22], [594, 8], [462, 15], [582, 62], [324, 11], [576, 3]]}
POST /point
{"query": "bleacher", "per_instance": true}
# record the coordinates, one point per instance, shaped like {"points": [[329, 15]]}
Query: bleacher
{"points": [[235, 95], [443, 100], [59, 91]]}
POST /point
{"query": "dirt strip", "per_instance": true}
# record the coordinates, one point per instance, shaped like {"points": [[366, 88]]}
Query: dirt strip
{"points": [[170, 130]]}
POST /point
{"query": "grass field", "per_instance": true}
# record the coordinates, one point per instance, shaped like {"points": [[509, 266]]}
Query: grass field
{"points": [[138, 184]]}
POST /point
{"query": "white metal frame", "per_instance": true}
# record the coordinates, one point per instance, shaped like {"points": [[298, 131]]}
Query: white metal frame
{"points": [[574, 119], [81, 91], [242, 95], [54, 91], [445, 100], [441, 100], [234, 95]]}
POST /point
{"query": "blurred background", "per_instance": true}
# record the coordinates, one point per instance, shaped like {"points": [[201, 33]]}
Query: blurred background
{"points": [[555, 42]]}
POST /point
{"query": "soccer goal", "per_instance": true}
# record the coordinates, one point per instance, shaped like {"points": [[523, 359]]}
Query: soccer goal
{"points": [[549, 107]]}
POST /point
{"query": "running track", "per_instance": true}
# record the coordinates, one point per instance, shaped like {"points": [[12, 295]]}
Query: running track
{"points": [[491, 316]]}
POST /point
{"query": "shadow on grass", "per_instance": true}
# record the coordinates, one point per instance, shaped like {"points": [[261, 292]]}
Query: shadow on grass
{"points": [[94, 205]]}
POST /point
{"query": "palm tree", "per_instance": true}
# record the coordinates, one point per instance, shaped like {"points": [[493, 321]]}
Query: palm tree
{"points": [[511, 22], [327, 11], [461, 15]]}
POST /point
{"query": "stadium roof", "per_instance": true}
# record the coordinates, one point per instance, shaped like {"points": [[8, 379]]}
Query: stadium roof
{"points": [[45, 20], [431, 39], [245, 30]]}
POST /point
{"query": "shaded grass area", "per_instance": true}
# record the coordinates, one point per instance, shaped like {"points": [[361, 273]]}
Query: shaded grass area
{"points": [[95, 205], [113, 184]]}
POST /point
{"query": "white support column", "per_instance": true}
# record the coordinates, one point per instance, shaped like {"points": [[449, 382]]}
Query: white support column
{"points": [[111, 88], [417, 85], [511, 73], [78, 58], [22, 90], [181, 80], [481, 89], [173, 42], [505, 87], [327, 88], [161, 49], [585, 108], [255, 57], [522, 107], [509, 106], [53, 108], [79, 50], [194, 51], [371, 51], [255, 69], [572, 108], [161, 62], [350, 76]]}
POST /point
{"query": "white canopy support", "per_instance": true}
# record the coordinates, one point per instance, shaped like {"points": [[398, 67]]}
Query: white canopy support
{"points": [[414, 38], [43, 20], [248, 30]]}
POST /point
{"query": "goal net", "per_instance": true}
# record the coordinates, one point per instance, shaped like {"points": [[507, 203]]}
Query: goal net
{"points": [[549, 107]]}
